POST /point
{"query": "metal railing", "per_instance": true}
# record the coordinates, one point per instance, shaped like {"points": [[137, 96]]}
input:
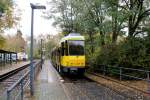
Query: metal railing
{"points": [[20, 82], [121, 71], [124, 72], [16, 91]]}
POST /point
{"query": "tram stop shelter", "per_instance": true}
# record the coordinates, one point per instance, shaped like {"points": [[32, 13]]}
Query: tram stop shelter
{"points": [[7, 57]]}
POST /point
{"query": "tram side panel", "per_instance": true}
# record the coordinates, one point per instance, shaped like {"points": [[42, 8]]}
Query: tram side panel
{"points": [[66, 57]]}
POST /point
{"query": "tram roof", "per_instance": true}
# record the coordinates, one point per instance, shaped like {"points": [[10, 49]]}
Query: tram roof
{"points": [[72, 38]]}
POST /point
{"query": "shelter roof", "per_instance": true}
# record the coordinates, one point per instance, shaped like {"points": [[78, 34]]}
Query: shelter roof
{"points": [[4, 51]]}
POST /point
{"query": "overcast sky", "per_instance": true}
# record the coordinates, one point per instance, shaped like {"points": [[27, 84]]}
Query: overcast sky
{"points": [[41, 25]]}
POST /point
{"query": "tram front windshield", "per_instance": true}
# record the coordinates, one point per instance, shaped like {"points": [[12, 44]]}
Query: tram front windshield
{"points": [[76, 47]]}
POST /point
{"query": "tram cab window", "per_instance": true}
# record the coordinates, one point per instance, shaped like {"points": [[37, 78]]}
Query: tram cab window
{"points": [[76, 47]]}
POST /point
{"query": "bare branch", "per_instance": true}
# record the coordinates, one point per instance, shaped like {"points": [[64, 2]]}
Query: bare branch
{"points": [[126, 2], [138, 32], [90, 12]]}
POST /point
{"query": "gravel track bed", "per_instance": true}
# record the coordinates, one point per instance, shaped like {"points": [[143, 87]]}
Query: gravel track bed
{"points": [[132, 94], [86, 89]]}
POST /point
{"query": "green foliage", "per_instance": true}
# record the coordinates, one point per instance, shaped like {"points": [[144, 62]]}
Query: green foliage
{"points": [[102, 22], [108, 55], [132, 53], [36, 54], [15, 43], [51, 42], [2, 41], [4, 5], [8, 14], [91, 58]]}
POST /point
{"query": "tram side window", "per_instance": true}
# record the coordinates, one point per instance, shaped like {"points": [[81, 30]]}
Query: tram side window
{"points": [[62, 49], [66, 48]]}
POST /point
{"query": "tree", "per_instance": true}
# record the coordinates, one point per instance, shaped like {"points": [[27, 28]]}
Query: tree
{"points": [[135, 11], [10, 14], [2, 41], [51, 42], [15, 43]]}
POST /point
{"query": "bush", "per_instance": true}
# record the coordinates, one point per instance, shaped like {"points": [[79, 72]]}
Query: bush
{"points": [[131, 53], [91, 57], [108, 55]]}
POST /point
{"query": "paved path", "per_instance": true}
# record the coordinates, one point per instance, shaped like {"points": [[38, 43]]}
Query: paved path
{"points": [[48, 85]]}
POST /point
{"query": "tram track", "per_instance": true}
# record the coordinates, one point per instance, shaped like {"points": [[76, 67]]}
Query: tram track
{"points": [[9, 78], [131, 92], [134, 88], [12, 72], [84, 88], [75, 79]]}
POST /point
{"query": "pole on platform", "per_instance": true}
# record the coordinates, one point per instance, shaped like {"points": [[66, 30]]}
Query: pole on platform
{"points": [[41, 54], [31, 54], [31, 46]]}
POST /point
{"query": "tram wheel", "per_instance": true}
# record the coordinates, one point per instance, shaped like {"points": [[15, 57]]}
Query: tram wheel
{"points": [[81, 72], [60, 69]]}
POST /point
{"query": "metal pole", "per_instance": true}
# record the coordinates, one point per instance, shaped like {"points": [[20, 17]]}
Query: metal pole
{"points": [[148, 83], [11, 58], [31, 55], [4, 58], [104, 69], [41, 54], [120, 73], [21, 84], [16, 57], [8, 95]]}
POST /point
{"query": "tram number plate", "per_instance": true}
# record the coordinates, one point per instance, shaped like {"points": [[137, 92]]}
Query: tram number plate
{"points": [[73, 68]]}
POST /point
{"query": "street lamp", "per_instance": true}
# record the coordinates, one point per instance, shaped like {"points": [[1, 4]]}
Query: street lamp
{"points": [[31, 46]]}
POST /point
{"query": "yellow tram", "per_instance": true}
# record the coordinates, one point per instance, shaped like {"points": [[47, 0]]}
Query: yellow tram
{"points": [[69, 56]]}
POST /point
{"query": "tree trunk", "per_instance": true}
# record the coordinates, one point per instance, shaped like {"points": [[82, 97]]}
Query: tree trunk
{"points": [[102, 38], [114, 24], [114, 28], [91, 41]]}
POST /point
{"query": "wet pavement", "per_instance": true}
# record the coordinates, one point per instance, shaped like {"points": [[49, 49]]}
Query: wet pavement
{"points": [[48, 85]]}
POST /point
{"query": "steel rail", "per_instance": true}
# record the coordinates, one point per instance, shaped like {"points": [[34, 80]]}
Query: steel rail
{"points": [[12, 72], [134, 88]]}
